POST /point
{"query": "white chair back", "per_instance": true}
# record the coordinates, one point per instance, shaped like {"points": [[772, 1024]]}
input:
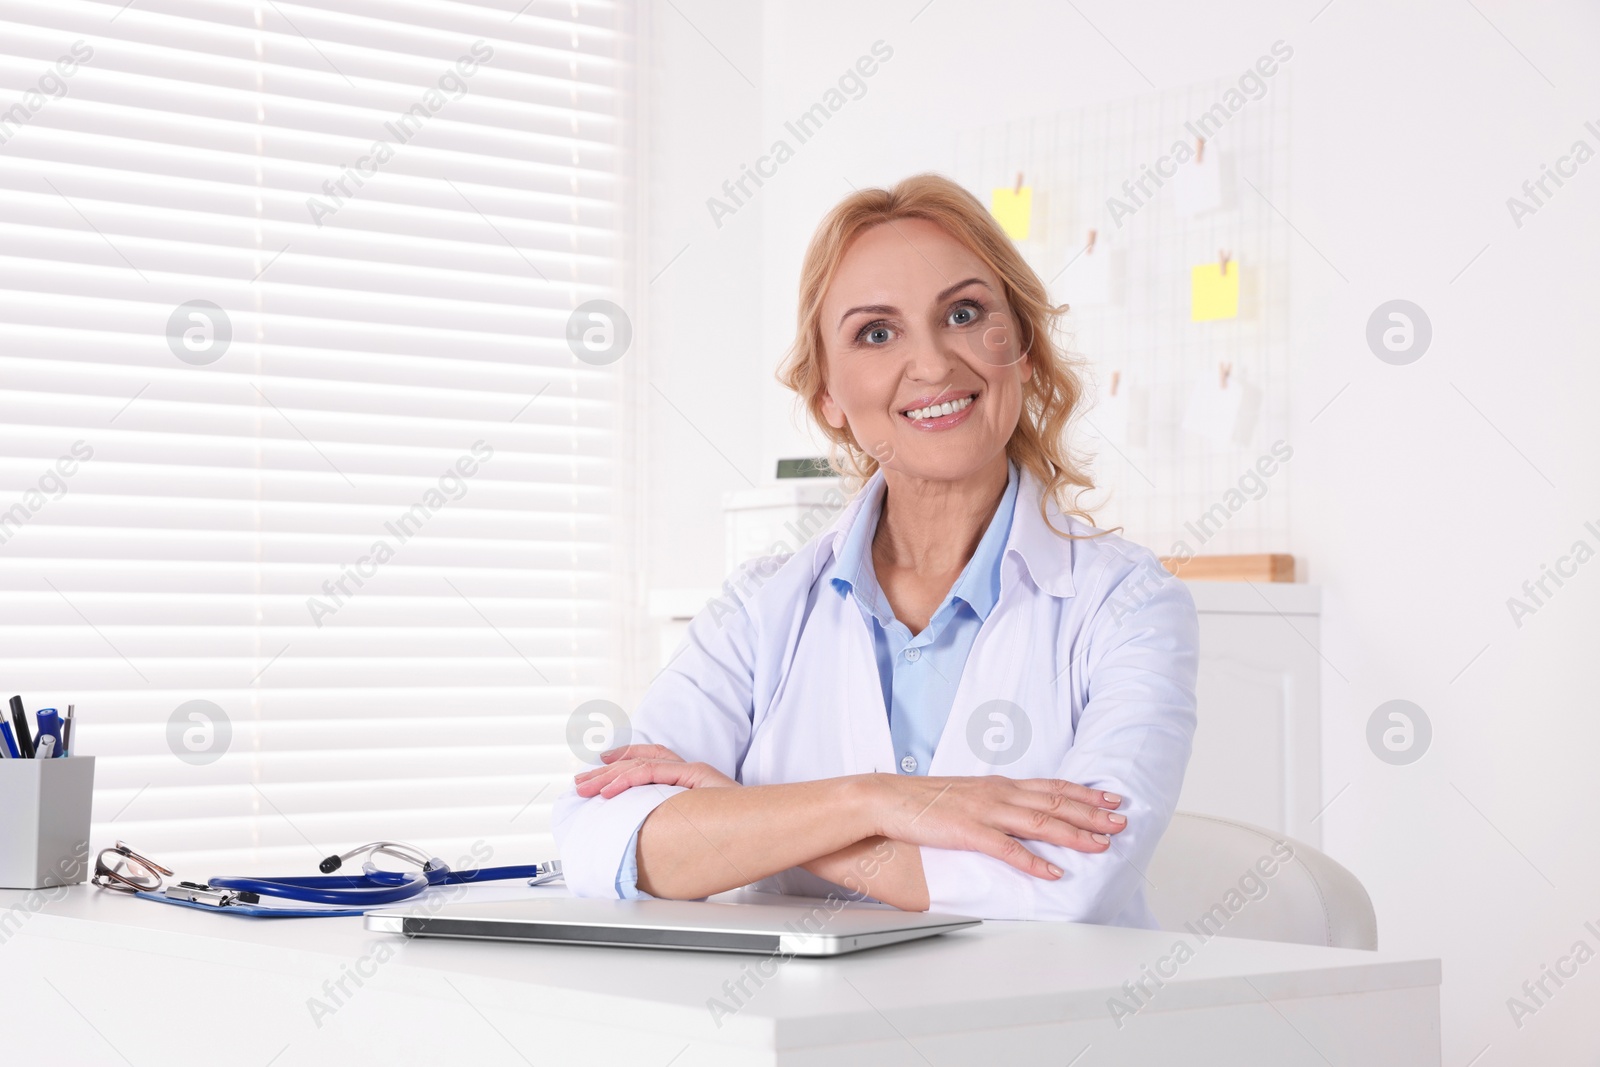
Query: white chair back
{"points": [[1218, 877]]}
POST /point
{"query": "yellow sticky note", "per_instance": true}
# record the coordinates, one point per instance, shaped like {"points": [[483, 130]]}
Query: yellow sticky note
{"points": [[1013, 209], [1212, 294]]}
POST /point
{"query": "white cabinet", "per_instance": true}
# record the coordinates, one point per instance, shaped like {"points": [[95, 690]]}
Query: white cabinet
{"points": [[1258, 746]]}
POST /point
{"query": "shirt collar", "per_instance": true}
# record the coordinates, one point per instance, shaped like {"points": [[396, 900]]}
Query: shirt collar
{"points": [[852, 568], [1035, 543], [1041, 551], [979, 583]]}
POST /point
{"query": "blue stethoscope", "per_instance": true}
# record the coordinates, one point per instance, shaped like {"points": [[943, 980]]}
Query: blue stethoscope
{"points": [[335, 894]]}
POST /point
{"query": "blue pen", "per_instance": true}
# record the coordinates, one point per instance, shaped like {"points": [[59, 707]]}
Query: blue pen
{"points": [[49, 726], [10, 740]]}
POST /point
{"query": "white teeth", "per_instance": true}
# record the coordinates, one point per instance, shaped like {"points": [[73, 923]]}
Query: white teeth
{"points": [[933, 411]]}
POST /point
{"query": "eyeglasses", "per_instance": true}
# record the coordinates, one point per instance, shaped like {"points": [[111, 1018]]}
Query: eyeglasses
{"points": [[121, 868]]}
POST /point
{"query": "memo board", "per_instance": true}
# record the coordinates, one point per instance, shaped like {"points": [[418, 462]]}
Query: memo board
{"points": [[1158, 478]]}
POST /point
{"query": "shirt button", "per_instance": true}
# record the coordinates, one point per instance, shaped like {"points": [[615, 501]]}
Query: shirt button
{"points": [[909, 764], [912, 655]]}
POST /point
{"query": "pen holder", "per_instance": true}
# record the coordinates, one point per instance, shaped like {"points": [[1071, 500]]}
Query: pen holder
{"points": [[44, 821]]}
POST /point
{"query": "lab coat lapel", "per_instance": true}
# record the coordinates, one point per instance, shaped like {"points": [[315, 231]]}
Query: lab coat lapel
{"points": [[1014, 655], [827, 718], [993, 671], [861, 696]]}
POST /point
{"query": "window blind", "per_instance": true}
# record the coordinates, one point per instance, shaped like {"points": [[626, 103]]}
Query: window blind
{"points": [[306, 502]]}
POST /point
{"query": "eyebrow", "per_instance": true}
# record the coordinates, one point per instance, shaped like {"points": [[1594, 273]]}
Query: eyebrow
{"points": [[885, 309]]}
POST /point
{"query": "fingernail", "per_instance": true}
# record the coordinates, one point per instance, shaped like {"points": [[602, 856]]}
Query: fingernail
{"points": [[1112, 798], [1118, 819], [1055, 872], [1102, 838]]}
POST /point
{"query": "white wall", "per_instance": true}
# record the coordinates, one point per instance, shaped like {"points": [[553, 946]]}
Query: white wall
{"points": [[1417, 514], [699, 319]]}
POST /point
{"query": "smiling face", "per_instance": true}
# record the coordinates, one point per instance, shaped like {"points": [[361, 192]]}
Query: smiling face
{"points": [[923, 359]]}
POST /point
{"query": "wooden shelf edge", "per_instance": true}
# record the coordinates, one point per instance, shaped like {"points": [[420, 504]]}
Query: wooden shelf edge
{"points": [[1256, 567]]}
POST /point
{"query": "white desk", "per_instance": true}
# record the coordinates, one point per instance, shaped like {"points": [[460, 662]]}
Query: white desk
{"points": [[148, 984]]}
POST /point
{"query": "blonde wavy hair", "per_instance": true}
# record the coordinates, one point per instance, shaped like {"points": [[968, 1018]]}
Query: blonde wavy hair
{"points": [[1049, 398]]}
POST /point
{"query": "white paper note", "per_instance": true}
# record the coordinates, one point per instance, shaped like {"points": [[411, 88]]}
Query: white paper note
{"points": [[1086, 281], [1120, 418], [1225, 414], [1204, 185]]}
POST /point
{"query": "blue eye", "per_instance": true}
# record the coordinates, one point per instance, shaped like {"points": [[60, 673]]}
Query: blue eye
{"points": [[874, 334], [962, 315]]}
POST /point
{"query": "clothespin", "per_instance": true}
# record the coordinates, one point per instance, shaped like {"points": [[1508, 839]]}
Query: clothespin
{"points": [[1225, 369], [1222, 261], [1116, 377], [1199, 149], [1018, 188], [1090, 248]]}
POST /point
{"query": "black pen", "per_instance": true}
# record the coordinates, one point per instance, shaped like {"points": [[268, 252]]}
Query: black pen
{"points": [[19, 718]]}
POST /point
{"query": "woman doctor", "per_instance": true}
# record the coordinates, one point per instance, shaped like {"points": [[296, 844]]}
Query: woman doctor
{"points": [[958, 696]]}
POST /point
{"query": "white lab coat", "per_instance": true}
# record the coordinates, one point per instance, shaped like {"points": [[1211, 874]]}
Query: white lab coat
{"points": [[777, 682]]}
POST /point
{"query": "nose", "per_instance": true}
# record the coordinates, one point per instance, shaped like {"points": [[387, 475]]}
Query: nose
{"points": [[931, 358]]}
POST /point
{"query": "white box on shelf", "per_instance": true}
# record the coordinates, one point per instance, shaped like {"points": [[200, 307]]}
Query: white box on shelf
{"points": [[780, 517]]}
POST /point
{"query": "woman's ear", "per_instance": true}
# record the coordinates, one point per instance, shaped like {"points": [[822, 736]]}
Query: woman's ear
{"points": [[832, 411], [1025, 365]]}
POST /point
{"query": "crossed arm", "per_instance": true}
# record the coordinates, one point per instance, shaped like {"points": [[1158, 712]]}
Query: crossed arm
{"points": [[864, 832]]}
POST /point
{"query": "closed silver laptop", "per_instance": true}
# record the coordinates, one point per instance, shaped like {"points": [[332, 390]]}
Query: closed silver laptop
{"points": [[795, 928]]}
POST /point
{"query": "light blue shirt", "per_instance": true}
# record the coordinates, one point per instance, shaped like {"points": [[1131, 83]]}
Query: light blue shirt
{"points": [[919, 672]]}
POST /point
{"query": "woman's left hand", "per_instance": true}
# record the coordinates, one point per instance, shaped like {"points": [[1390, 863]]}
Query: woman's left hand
{"points": [[646, 765]]}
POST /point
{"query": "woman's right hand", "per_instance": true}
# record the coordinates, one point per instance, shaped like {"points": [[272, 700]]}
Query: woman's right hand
{"points": [[635, 765], [988, 814]]}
